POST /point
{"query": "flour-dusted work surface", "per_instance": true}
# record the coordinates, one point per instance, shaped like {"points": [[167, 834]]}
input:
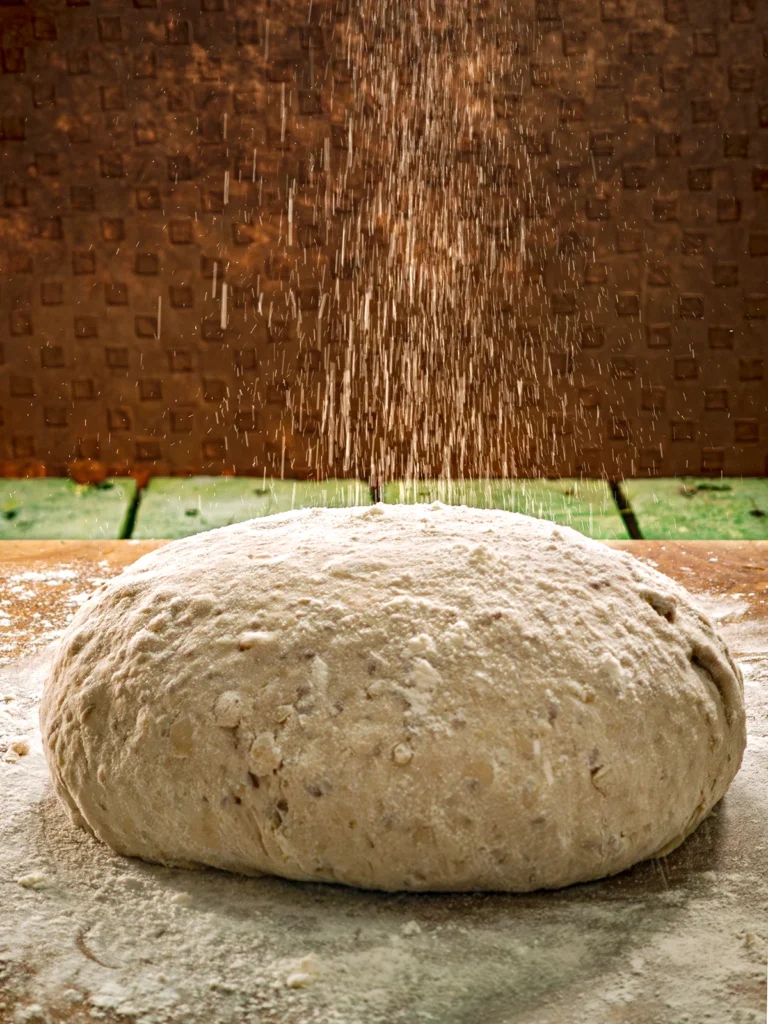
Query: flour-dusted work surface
{"points": [[43, 582], [86, 935]]}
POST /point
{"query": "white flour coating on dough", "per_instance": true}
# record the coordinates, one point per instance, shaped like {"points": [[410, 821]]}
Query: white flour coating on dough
{"points": [[397, 697]]}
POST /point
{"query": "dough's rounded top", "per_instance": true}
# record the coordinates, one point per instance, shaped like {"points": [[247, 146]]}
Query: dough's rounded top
{"points": [[397, 697]]}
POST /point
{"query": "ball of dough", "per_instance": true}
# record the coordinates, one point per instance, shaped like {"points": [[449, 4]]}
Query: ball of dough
{"points": [[396, 697]]}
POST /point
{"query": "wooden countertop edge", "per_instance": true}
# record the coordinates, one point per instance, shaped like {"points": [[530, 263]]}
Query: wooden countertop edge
{"points": [[25, 550]]}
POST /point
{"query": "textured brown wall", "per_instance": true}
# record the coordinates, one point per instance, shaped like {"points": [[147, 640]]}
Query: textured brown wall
{"points": [[522, 237]]}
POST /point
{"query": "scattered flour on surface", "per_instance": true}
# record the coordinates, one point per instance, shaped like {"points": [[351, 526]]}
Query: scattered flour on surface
{"points": [[86, 933], [47, 599]]}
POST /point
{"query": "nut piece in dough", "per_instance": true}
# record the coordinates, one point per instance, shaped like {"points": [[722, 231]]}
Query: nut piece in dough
{"points": [[264, 757], [228, 709]]}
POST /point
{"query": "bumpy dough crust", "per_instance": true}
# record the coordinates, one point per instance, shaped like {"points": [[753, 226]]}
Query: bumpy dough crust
{"points": [[396, 697]]}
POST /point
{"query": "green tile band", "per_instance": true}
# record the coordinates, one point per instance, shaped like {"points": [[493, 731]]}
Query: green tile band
{"points": [[178, 507], [689, 508], [584, 505], [55, 508]]}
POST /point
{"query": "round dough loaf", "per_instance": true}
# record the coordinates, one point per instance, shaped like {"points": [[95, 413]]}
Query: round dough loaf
{"points": [[396, 697]]}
